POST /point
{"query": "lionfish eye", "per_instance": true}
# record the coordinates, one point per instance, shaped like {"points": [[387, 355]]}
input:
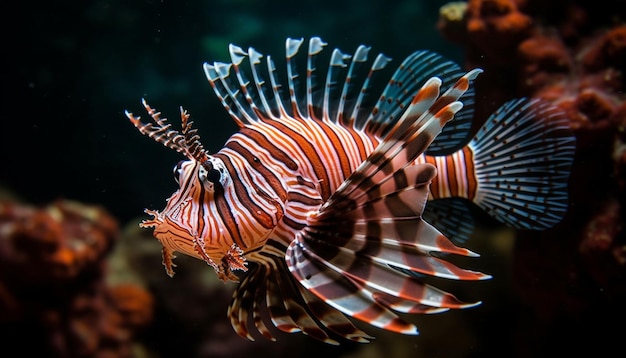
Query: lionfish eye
{"points": [[213, 175], [177, 170]]}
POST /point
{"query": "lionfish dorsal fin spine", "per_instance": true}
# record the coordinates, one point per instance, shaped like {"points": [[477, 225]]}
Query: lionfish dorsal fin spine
{"points": [[316, 45], [237, 55], [358, 111], [344, 94], [271, 70], [337, 61], [259, 83], [292, 48], [235, 90], [412, 73], [360, 56], [221, 92]]}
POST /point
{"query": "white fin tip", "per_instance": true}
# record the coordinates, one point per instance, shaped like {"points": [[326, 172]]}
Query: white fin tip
{"points": [[292, 46], [236, 54], [380, 62], [360, 55], [316, 45]]}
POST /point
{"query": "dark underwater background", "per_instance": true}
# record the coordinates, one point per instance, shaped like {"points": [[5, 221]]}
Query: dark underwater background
{"points": [[70, 70], [74, 67]]}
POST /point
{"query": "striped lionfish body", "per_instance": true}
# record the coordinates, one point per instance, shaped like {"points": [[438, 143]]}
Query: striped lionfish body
{"points": [[321, 196]]}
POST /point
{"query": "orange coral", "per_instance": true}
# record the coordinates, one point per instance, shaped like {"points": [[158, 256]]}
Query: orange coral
{"points": [[574, 54], [132, 303], [494, 25], [56, 242], [608, 51], [542, 61], [51, 282]]}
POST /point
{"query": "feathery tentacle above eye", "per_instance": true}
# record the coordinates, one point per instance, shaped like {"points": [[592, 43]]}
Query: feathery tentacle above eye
{"points": [[186, 142]]}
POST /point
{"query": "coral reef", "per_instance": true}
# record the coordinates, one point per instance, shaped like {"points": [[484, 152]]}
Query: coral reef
{"points": [[53, 288], [574, 54]]}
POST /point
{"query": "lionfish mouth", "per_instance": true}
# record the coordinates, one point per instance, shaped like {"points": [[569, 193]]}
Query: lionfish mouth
{"points": [[224, 263], [164, 234]]}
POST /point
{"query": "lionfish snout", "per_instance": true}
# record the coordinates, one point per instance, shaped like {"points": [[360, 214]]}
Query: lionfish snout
{"points": [[182, 227]]}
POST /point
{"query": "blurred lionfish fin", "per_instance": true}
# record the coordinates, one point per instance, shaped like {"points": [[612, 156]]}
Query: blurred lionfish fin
{"points": [[350, 251], [523, 156], [247, 296], [270, 288]]}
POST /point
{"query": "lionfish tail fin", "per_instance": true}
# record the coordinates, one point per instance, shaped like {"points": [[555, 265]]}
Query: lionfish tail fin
{"points": [[523, 156], [355, 252]]}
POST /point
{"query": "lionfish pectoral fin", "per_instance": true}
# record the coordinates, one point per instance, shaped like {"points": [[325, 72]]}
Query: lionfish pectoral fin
{"points": [[341, 293], [414, 71], [249, 297], [352, 252], [362, 257], [452, 216], [269, 291], [332, 319]]}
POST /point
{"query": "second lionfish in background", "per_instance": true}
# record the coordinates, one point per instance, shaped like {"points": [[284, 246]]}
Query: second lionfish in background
{"points": [[317, 204]]}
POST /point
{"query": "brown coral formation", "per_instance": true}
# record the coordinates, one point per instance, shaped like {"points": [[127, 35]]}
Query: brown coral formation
{"points": [[574, 54], [52, 287]]}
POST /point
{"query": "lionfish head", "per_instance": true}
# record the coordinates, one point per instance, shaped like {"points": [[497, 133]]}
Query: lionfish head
{"points": [[202, 218]]}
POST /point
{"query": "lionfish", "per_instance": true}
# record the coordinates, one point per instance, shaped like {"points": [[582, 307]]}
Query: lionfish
{"points": [[318, 204]]}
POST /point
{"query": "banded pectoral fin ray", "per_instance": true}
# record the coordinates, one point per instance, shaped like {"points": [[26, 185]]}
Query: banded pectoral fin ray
{"points": [[269, 293], [353, 251], [351, 258]]}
